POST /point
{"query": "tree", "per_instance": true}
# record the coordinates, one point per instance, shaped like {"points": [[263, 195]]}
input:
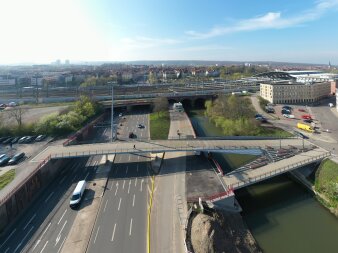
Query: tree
{"points": [[17, 114], [160, 104]]}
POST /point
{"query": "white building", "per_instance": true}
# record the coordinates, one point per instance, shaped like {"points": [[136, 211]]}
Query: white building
{"points": [[178, 107], [294, 93], [5, 81], [310, 76]]}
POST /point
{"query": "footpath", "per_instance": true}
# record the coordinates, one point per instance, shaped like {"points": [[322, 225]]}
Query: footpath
{"points": [[80, 233], [169, 202]]}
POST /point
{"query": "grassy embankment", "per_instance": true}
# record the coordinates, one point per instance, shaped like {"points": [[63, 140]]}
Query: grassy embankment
{"points": [[159, 125], [326, 183], [6, 178]]}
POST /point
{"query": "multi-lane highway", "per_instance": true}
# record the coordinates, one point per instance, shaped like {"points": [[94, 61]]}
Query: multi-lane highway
{"points": [[122, 221]]}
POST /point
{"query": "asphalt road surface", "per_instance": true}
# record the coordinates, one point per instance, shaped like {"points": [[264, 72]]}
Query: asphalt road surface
{"points": [[122, 221]]}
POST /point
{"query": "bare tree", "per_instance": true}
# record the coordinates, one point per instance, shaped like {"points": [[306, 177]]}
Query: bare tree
{"points": [[17, 114], [160, 104]]}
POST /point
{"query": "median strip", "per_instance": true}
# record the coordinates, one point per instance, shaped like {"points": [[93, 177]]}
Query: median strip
{"points": [[149, 212]]}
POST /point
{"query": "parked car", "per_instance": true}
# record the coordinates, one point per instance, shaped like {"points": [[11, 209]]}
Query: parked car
{"points": [[132, 135], [307, 120], [258, 115], [286, 111], [289, 116], [269, 110], [4, 160], [140, 126], [40, 137], [15, 140], [2, 155], [287, 107], [23, 139], [30, 139], [301, 110], [7, 141], [12, 104], [16, 158], [2, 139]]}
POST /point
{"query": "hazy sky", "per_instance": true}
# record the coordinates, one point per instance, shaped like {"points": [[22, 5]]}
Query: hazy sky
{"points": [[42, 31]]}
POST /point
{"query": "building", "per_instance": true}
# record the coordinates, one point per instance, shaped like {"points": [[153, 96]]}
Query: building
{"points": [[36, 80], [5, 81], [294, 93], [337, 99], [309, 76]]}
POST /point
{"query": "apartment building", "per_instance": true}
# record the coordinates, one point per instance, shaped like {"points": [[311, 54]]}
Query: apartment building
{"points": [[294, 93]]}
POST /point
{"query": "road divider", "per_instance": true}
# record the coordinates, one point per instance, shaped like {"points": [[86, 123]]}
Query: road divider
{"points": [[149, 212]]}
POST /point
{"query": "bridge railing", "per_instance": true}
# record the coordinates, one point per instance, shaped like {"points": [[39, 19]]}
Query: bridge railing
{"points": [[279, 171]]}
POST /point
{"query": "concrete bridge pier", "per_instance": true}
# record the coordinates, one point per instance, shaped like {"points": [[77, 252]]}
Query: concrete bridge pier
{"points": [[228, 203]]}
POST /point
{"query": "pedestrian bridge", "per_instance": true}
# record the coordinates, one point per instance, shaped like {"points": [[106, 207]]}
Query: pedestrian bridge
{"points": [[306, 153]]}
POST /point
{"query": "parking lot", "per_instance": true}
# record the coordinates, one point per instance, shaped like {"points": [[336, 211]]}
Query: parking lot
{"points": [[29, 149]]}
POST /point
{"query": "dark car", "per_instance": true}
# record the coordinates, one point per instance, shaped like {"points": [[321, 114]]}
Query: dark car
{"points": [[15, 159], [285, 111], [40, 138], [307, 120], [132, 135], [287, 107], [4, 160], [15, 140], [8, 141], [29, 139], [270, 110], [2, 139], [140, 126], [258, 115], [22, 139]]}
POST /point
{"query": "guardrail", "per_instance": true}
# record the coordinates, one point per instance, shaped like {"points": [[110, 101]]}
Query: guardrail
{"points": [[279, 171], [30, 175]]}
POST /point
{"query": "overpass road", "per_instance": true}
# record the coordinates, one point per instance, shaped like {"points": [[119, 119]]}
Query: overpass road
{"points": [[121, 225]]}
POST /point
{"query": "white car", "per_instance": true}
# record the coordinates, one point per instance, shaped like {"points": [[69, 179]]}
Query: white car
{"points": [[289, 116], [12, 104]]}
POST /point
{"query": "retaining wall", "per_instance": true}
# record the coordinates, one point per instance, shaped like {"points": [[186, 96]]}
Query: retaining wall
{"points": [[21, 198]]}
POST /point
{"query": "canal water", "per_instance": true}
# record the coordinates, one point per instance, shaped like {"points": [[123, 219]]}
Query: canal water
{"points": [[281, 214]]}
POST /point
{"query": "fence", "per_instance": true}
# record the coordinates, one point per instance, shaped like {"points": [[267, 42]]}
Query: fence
{"points": [[279, 171], [30, 175]]}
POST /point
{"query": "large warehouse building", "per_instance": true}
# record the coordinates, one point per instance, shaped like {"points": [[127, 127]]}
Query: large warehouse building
{"points": [[288, 92]]}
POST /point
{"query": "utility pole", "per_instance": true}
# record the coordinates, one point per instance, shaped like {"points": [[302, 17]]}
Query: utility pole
{"points": [[112, 113]]}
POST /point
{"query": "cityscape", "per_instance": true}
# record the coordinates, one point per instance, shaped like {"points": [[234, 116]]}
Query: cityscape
{"points": [[174, 127]]}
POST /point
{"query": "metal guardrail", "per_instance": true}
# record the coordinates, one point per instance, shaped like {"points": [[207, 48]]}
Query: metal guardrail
{"points": [[152, 150], [279, 171]]}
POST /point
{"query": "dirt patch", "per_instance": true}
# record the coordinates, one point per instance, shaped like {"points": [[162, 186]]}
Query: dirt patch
{"points": [[218, 232]]}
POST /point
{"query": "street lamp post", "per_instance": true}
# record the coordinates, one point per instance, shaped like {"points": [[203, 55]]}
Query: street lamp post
{"points": [[112, 114]]}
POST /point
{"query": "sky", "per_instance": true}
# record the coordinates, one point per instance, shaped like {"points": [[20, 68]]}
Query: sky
{"points": [[42, 31]]}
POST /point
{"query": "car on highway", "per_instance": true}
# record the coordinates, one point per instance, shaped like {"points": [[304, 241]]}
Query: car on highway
{"points": [[132, 135], [4, 160], [16, 158], [140, 126], [40, 137], [77, 194]]}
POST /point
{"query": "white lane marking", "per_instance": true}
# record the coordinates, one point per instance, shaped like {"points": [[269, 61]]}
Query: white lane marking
{"points": [[62, 216], [138, 158], [86, 175], [44, 247], [135, 182], [104, 209], [37, 243], [111, 187], [50, 195], [124, 181], [137, 164], [29, 222], [6, 250], [117, 187], [112, 237], [130, 226], [62, 180], [23, 239], [141, 184], [59, 235], [129, 186], [127, 170], [129, 158], [62, 244], [8, 238], [118, 209], [96, 234], [141, 134], [134, 200]]}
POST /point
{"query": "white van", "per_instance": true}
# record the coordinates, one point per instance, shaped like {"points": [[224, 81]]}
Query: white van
{"points": [[78, 193]]}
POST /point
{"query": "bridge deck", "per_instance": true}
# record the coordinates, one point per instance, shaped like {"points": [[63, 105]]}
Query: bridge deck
{"points": [[247, 177], [144, 146]]}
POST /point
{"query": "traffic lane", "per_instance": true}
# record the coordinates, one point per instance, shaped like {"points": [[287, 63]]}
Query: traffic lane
{"points": [[30, 223], [117, 220], [53, 237]]}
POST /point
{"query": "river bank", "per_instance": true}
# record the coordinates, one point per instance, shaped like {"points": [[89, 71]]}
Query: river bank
{"points": [[281, 214]]}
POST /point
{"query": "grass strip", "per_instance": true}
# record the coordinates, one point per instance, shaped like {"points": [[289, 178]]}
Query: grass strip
{"points": [[6, 178]]}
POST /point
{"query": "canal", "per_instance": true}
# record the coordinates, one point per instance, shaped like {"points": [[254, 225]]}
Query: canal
{"points": [[281, 214]]}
